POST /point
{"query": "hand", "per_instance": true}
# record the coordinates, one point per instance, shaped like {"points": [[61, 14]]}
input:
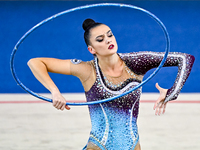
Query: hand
{"points": [[160, 104], [59, 101]]}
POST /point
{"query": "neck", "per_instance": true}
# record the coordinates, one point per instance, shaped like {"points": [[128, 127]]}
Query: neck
{"points": [[111, 65]]}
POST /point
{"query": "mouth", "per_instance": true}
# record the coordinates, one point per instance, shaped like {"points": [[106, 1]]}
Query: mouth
{"points": [[111, 46]]}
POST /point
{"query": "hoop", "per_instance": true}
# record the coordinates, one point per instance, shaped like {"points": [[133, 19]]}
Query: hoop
{"points": [[76, 9]]}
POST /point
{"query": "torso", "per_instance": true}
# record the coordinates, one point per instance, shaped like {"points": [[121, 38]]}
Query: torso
{"points": [[114, 123]]}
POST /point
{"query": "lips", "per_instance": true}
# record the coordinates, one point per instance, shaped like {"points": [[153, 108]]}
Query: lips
{"points": [[111, 46]]}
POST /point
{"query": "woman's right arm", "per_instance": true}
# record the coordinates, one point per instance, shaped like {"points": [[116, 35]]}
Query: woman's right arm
{"points": [[40, 68]]}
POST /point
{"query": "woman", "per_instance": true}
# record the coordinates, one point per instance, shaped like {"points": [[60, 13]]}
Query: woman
{"points": [[113, 123]]}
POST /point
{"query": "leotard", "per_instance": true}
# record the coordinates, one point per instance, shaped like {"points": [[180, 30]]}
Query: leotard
{"points": [[114, 123]]}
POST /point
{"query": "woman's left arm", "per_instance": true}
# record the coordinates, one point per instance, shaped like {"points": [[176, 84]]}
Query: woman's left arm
{"points": [[141, 62], [184, 62]]}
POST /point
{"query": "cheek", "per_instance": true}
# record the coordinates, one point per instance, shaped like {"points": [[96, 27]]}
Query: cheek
{"points": [[99, 45], [114, 38]]}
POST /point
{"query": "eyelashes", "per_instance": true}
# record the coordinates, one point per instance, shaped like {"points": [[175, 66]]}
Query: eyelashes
{"points": [[110, 35], [101, 40]]}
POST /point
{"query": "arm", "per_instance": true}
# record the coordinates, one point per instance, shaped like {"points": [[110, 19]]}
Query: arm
{"points": [[40, 68], [141, 62], [183, 61]]}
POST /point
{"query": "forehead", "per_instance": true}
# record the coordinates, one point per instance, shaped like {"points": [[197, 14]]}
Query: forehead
{"points": [[99, 30]]}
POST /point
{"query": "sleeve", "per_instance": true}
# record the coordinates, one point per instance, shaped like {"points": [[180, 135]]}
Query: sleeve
{"points": [[142, 62]]}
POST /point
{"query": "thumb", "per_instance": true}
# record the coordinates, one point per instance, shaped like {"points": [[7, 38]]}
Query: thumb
{"points": [[158, 87]]}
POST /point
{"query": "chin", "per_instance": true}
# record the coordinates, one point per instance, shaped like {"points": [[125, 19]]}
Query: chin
{"points": [[114, 50]]}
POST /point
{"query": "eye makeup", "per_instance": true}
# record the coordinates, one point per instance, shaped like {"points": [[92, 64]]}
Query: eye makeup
{"points": [[100, 38]]}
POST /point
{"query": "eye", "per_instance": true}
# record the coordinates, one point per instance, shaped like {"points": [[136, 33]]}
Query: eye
{"points": [[110, 34], [99, 40]]}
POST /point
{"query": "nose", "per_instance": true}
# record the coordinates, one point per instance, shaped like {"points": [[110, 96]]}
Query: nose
{"points": [[108, 40]]}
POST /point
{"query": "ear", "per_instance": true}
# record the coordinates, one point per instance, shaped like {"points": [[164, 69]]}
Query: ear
{"points": [[91, 50]]}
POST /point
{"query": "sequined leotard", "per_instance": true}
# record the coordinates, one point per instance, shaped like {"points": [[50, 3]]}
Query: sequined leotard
{"points": [[114, 123]]}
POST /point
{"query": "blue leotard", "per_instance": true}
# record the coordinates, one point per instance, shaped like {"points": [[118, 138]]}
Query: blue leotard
{"points": [[114, 123]]}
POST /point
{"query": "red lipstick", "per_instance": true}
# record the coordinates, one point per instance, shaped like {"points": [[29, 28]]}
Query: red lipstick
{"points": [[111, 46]]}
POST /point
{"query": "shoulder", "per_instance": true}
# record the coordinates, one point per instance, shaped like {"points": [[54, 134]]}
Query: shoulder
{"points": [[133, 54], [80, 63], [81, 68]]}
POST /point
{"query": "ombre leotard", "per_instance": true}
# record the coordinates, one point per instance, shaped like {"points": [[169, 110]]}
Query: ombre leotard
{"points": [[114, 123]]}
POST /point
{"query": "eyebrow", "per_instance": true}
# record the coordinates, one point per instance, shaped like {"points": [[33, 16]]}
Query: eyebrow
{"points": [[102, 35]]}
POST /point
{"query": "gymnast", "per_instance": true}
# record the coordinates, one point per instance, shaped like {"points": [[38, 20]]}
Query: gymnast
{"points": [[114, 123]]}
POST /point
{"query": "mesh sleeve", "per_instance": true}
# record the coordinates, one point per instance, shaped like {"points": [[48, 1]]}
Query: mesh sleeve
{"points": [[141, 62]]}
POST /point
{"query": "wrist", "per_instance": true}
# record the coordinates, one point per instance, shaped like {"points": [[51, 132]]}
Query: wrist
{"points": [[54, 90]]}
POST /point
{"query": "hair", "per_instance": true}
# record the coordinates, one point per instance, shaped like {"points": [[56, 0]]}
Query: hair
{"points": [[87, 25]]}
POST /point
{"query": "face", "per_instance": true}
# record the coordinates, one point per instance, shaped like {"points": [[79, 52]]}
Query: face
{"points": [[103, 42]]}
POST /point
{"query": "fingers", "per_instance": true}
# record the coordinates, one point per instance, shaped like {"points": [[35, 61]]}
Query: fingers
{"points": [[60, 104], [59, 101], [159, 108], [160, 104], [164, 107], [155, 105]]}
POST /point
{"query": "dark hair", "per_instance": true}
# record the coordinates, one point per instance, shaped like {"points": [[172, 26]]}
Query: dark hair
{"points": [[87, 25]]}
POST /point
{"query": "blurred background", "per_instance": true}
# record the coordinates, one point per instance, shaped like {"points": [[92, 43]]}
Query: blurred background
{"points": [[63, 38]]}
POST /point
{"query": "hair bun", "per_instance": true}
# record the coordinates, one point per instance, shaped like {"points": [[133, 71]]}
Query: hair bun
{"points": [[87, 23]]}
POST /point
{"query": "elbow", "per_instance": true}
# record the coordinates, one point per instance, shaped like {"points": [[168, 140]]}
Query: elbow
{"points": [[190, 59], [35, 63], [31, 62]]}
